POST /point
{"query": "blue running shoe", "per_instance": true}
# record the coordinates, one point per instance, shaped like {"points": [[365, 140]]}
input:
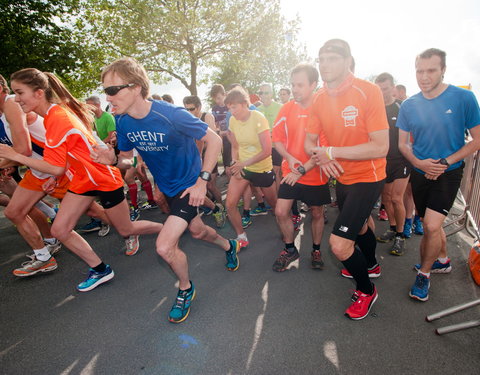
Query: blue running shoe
{"points": [[420, 288], [94, 279], [134, 214], [418, 227], [246, 221], [93, 226], [232, 257], [437, 267], [181, 307], [407, 228], [257, 211]]}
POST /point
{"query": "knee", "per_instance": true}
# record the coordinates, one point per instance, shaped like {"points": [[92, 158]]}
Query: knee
{"points": [[397, 200], [317, 213], [199, 234], [166, 252], [14, 214], [431, 229], [281, 212], [341, 251], [230, 204], [60, 232]]}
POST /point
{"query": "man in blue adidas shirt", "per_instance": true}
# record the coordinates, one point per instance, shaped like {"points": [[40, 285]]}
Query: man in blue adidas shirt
{"points": [[164, 135], [437, 118]]}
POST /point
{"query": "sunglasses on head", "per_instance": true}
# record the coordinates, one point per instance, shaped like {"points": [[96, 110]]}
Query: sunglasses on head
{"points": [[113, 90], [190, 109], [264, 92]]}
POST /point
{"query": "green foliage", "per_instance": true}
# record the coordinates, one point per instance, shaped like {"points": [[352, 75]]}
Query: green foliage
{"points": [[197, 40]]}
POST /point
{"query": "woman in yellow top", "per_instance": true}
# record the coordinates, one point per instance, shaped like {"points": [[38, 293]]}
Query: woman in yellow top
{"points": [[249, 134]]}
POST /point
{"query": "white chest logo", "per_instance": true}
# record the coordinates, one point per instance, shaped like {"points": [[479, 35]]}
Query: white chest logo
{"points": [[349, 115]]}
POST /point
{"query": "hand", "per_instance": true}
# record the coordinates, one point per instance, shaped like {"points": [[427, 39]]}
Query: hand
{"points": [[431, 167], [50, 185], [293, 164], [237, 168], [332, 169], [319, 155], [291, 178], [103, 155], [7, 152], [197, 193]]}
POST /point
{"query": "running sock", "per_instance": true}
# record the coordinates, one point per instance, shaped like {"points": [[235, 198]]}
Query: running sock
{"points": [[100, 268], [246, 213], [416, 218], [46, 209], [215, 209], [242, 236], [290, 247], [408, 220], [262, 205], [295, 208], [133, 192], [442, 260], [187, 290], [393, 228], [400, 234], [426, 274], [316, 247], [147, 188], [357, 266], [367, 244], [42, 254], [382, 206]]}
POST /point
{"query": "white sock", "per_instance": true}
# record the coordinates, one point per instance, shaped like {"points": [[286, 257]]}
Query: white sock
{"points": [[242, 236], [46, 209], [42, 254], [427, 274], [442, 260]]}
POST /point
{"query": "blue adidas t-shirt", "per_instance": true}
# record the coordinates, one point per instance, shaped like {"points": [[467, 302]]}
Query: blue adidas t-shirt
{"points": [[165, 139], [438, 125]]}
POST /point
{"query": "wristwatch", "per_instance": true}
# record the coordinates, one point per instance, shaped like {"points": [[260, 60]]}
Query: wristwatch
{"points": [[206, 176], [444, 161], [301, 169]]}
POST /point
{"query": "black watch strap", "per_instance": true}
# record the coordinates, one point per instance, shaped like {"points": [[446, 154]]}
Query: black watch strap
{"points": [[206, 176]]}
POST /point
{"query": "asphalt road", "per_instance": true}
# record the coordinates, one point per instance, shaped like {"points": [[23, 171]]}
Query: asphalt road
{"points": [[253, 321]]}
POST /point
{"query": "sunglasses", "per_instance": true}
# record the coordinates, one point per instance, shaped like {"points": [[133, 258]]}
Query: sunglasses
{"points": [[191, 109], [113, 90], [264, 92]]}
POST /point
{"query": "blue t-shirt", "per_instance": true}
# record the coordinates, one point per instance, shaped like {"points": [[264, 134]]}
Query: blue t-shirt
{"points": [[438, 125], [220, 114], [165, 139]]}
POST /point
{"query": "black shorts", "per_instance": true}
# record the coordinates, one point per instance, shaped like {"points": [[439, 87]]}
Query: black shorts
{"points": [[355, 203], [181, 208], [265, 179], [437, 195], [108, 199], [276, 158], [397, 169], [312, 195]]}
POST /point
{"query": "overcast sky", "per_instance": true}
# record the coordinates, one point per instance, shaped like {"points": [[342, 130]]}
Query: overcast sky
{"points": [[387, 35]]}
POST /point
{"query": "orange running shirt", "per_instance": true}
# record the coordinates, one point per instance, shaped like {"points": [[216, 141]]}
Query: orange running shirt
{"points": [[68, 144], [289, 129], [347, 118]]}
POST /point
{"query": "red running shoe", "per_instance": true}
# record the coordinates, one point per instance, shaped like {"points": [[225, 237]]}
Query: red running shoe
{"points": [[373, 272], [362, 303]]}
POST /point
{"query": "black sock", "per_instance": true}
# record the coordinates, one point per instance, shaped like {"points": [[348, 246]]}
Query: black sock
{"points": [[246, 213], [262, 205], [399, 234], [357, 266], [215, 209], [100, 268], [290, 247], [382, 206], [295, 208], [187, 290], [367, 244], [316, 247], [393, 228]]}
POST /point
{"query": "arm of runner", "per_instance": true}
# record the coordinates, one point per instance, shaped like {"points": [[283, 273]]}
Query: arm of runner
{"points": [[266, 143], [431, 167], [38, 164], [469, 147], [331, 168], [293, 162], [199, 190], [235, 154]]}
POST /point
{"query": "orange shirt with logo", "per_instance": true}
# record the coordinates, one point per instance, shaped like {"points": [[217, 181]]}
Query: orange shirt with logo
{"points": [[68, 144], [347, 118], [289, 129]]}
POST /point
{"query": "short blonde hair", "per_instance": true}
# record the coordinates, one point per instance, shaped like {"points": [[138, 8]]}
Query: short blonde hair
{"points": [[131, 71]]}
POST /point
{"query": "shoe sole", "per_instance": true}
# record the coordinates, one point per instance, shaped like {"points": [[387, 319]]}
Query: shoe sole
{"points": [[440, 271], [186, 315], [396, 253], [246, 226], [364, 316], [370, 275], [103, 234], [382, 240], [99, 282], [318, 267], [258, 214], [48, 269], [417, 297], [286, 267]]}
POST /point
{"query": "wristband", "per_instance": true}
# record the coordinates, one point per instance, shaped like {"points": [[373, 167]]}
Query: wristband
{"points": [[328, 151]]}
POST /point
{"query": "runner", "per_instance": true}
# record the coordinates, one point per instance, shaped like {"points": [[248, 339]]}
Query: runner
{"points": [[302, 179], [69, 143], [398, 171], [164, 135], [437, 118], [251, 157], [351, 113]]}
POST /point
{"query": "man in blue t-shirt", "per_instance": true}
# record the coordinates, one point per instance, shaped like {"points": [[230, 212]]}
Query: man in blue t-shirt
{"points": [[436, 118], [164, 135]]}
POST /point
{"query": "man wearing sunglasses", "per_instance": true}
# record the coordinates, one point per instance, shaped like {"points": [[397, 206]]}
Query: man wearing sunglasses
{"points": [[164, 135]]}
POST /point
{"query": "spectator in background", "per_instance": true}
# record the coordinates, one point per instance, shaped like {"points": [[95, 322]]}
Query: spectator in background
{"points": [[284, 95], [168, 98]]}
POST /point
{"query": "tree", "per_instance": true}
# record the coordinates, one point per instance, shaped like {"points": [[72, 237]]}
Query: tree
{"points": [[41, 34], [187, 39]]}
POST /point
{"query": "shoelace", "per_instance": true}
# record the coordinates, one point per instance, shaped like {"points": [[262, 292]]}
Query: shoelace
{"points": [[181, 300], [317, 256]]}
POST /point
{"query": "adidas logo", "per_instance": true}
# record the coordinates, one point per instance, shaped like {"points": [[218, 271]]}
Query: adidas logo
{"points": [[448, 111]]}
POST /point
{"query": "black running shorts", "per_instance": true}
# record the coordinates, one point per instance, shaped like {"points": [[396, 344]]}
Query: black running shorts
{"points": [[312, 195]]}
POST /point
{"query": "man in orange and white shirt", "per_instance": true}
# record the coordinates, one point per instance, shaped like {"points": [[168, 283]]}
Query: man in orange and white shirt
{"points": [[302, 177], [351, 114]]}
